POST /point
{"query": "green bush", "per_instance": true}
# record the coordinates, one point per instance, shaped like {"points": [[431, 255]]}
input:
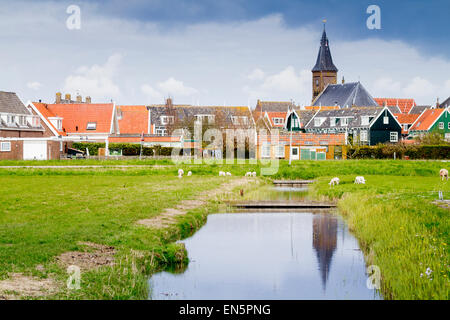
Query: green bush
{"points": [[92, 146], [387, 151]]}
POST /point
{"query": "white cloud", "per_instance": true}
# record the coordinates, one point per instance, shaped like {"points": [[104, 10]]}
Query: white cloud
{"points": [[151, 93], [214, 60], [96, 80], [419, 88], [284, 85], [174, 87], [256, 74], [34, 85]]}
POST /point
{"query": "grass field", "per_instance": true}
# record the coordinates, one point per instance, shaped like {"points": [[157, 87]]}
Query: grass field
{"points": [[49, 212]]}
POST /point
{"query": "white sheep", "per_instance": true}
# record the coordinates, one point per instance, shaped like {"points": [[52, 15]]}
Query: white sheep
{"points": [[180, 173], [228, 174], [189, 173], [222, 174], [334, 181], [248, 174], [254, 174], [444, 174], [360, 180]]}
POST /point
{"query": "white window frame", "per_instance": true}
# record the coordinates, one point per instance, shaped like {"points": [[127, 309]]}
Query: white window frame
{"points": [[344, 122], [265, 150], [317, 122], [385, 120], [363, 136], [332, 122], [365, 121], [280, 151], [441, 125], [90, 124], [166, 120], [448, 125], [161, 131], [278, 120], [393, 134], [5, 146]]}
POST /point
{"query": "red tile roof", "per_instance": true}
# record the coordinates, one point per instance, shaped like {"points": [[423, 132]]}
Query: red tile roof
{"points": [[272, 115], [405, 105], [427, 119], [406, 118], [77, 115], [46, 113], [134, 119]]}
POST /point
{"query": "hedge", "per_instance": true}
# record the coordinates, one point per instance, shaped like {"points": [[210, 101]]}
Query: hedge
{"points": [[128, 149], [382, 151]]}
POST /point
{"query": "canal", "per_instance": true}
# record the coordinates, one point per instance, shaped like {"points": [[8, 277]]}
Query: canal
{"points": [[269, 255]]}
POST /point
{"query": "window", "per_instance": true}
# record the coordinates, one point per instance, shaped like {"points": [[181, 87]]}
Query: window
{"points": [[385, 120], [394, 137], [364, 121], [91, 126], [11, 119], [332, 122], [277, 120], [317, 82], [22, 120], [161, 131], [448, 126], [344, 122], [441, 125], [5, 146], [265, 151], [239, 120], [280, 151], [166, 119], [405, 127], [59, 124], [363, 135]]}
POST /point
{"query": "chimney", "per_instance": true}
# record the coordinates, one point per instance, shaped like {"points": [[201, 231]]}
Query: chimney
{"points": [[79, 99], [343, 80], [67, 97], [58, 97], [437, 103], [88, 99]]}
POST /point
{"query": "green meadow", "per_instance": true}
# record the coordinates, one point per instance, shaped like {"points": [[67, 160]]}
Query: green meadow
{"points": [[47, 212]]}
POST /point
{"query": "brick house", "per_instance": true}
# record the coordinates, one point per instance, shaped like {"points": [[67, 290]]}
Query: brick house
{"points": [[24, 135]]}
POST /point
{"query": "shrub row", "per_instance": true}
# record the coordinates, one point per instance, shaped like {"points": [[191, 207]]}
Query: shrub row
{"points": [[401, 151], [128, 149]]}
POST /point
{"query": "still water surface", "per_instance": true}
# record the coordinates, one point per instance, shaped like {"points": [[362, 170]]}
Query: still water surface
{"points": [[269, 256]]}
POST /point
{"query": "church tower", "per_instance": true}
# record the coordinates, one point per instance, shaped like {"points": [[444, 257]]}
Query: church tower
{"points": [[324, 72]]}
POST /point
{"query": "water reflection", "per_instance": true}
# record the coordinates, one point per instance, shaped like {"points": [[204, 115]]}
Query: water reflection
{"points": [[324, 243], [269, 256], [281, 193]]}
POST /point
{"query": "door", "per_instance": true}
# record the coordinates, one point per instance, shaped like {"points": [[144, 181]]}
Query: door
{"points": [[294, 153], [35, 150]]}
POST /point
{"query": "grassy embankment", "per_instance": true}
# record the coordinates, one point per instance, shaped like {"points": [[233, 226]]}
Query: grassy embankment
{"points": [[399, 229], [47, 212]]}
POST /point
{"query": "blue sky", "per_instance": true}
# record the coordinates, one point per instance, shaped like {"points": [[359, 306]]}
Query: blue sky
{"points": [[222, 51]]}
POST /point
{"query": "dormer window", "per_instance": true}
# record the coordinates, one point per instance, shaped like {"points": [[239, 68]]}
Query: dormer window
{"points": [[318, 122], [332, 122], [364, 121], [277, 120], [91, 126], [166, 120], [344, 122], [11, 119]]}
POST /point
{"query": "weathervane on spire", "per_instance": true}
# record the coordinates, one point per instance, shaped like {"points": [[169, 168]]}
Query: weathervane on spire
{"points": [[324, 23]]}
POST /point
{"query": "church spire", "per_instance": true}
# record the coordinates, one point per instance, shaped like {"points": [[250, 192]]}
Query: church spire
{"points": [[324, 71]]}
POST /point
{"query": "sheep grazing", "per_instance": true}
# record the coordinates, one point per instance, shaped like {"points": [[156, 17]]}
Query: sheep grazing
{"points": [[180, 173], [222, 174], [248, 174], [444, 174], [254, 174], [360, 180], [228, 174], [189, 173], [334, 181]]}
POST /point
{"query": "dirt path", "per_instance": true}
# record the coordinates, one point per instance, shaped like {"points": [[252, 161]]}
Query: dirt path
{"points": [[169, 216]]}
